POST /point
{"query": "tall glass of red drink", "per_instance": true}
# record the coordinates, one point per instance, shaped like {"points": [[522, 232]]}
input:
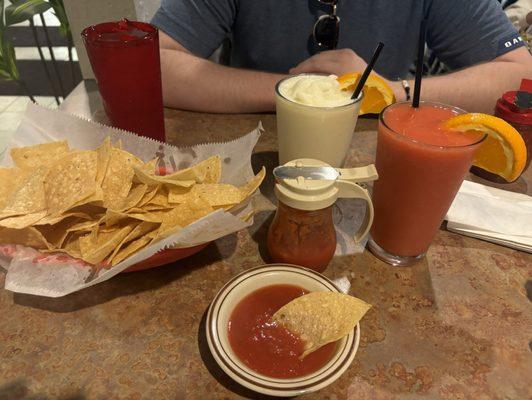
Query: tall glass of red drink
{"points": [[421, 167], [124, 56]]}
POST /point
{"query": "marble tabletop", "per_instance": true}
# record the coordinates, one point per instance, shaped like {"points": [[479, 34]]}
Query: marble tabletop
{"points": [[454, 326]]}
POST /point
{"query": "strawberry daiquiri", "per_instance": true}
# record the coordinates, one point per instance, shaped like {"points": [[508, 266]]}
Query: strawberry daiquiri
{"points": [[421, 166]]}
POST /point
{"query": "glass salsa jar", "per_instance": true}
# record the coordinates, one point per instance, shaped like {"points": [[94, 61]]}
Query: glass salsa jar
{"points": [[302, 237], [302, 231]]}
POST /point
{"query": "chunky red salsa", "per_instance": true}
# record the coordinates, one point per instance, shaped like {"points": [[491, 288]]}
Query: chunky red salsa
{"points": [[266, 347]]}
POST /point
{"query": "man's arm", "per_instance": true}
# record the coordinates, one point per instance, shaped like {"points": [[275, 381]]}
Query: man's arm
{"points": [[193, 83], [475, 88]]}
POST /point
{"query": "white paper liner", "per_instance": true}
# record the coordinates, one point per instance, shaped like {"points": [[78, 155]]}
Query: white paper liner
{"points": [[51, 276]]}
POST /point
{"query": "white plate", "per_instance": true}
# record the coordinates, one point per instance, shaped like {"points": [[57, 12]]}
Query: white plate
{"points": [[242, 285]]}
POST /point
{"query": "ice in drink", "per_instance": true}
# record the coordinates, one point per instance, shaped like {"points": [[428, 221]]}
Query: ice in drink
{"points": [[421, 167], [315, 119]]}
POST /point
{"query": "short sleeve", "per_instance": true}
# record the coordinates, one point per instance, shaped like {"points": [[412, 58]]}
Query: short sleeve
{"points": [[198, 25], [467, 32]]}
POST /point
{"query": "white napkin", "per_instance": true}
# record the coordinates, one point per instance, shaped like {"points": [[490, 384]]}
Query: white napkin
{"points": [[493, 215]]}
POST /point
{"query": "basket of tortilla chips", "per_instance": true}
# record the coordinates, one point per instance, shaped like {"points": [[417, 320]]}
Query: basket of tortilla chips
{"points": [[70, 218]]}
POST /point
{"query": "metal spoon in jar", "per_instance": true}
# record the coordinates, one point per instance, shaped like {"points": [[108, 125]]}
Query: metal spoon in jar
{"points": [[360, 174]]}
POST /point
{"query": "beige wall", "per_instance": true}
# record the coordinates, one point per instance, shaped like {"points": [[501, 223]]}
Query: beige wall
{"points": [[82, 13]]}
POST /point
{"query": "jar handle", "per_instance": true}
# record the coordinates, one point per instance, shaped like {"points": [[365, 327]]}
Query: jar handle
{"points": [[360, 174], [352, 190]]}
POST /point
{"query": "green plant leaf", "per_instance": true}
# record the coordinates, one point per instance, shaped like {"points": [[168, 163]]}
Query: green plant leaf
{"points": [[8, 66], [11, 59], [1, 17], [60, 13], [22, 10], [5, 75]]}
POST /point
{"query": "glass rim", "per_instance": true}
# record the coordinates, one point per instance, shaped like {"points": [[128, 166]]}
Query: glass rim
{"points": [[278, 93], [419, 142], [148, 36]]}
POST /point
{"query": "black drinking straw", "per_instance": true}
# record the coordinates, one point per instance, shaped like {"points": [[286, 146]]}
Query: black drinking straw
{"points": [[367, 71], [419, 62]]}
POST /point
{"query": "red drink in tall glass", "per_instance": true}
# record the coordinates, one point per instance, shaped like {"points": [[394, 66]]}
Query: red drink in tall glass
{"points": [[124, 56], [421, 167]]}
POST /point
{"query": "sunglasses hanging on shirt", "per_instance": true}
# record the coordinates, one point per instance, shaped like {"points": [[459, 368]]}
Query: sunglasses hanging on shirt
{"points": [[327, 27]]}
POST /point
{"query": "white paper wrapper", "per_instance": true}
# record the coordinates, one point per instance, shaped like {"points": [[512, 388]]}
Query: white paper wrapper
{"points": [[32, 273], [348, 215]]}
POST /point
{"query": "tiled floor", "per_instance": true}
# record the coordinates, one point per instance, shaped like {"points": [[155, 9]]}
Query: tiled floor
{"points": [[12, 108], [11, 111], [31, 53]]}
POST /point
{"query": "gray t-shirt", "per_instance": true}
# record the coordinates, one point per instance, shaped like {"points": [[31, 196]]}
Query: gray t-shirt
{"points": [[274, 35]]}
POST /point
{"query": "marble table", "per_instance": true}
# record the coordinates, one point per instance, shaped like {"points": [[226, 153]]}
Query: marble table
{"points": [[454, 326]]}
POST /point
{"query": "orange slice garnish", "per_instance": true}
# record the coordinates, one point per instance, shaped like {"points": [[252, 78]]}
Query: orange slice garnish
{"points": [[377, 93], [503, 152]]}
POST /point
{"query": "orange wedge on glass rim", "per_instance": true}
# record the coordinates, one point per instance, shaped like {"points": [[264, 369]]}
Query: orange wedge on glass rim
{"points": [[377, 93], [503, 152]]}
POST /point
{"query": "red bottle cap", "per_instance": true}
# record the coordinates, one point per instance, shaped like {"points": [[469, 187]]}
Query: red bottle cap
{"points": [[508, 110], [526, 85]]}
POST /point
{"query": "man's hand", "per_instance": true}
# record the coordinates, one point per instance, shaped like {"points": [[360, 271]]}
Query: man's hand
{"points": [[337, 62]]}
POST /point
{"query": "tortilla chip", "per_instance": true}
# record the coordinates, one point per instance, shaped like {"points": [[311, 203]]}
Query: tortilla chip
{"points": [[10, 180], [103, 155], [160, 198], [155, 180], [118, 178], [52, 220], [150, 166], [95, 251], [115, 217], [319, 318], [155, 207], [150, 194], [140, 230], [95, 198], [95, 210], [64, 237], [178, 195], [29, 237], [67, 233], [249, 188], [82, 226], [183, 215], [71, 179], [22, 221], [219, 194], [29, 196], [130, 249], [33, 157], [56, 233], [207, 171], [135, 196], [70, 246]]}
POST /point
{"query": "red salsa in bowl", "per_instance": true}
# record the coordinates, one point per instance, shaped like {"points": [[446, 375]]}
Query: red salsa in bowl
{"points": [[266, 347]]}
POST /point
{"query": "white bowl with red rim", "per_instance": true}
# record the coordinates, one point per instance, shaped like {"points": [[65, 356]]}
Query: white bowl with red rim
{"points": [[246, 283]]}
